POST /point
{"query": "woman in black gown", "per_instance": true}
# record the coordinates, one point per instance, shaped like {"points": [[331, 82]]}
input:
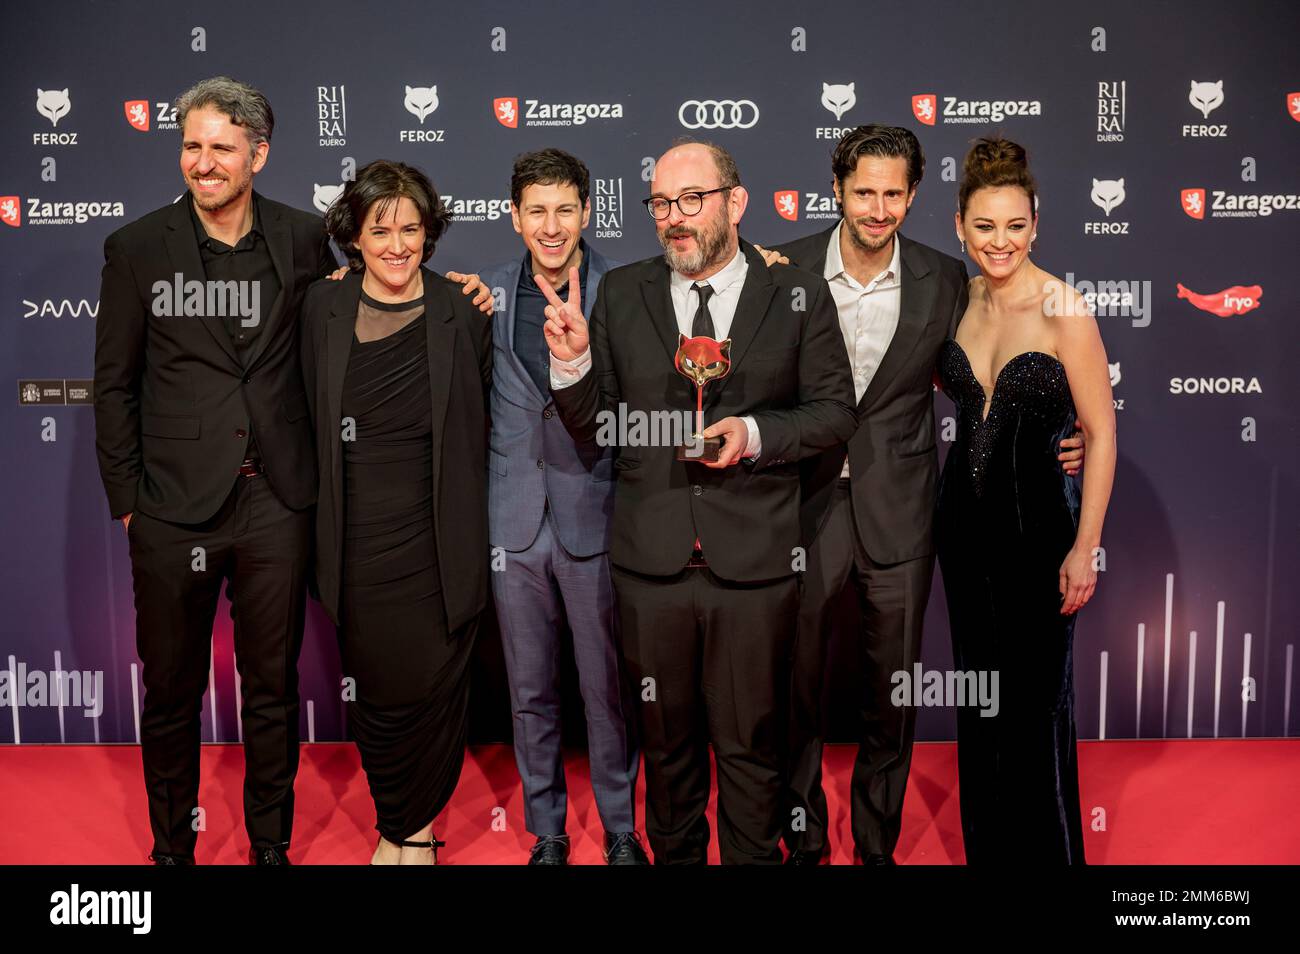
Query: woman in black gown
{"points": [[1016, 545], [397, 363]]}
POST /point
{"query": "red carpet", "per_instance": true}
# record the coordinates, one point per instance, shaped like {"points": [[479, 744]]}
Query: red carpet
{"points": [[1165, 802]]}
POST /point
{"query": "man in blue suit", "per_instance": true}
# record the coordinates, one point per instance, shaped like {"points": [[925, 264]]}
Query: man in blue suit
{"points": [[550, 501]]}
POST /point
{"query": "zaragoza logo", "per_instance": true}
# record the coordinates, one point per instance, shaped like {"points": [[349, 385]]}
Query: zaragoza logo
{"points": [[506, 110], [1236, 300], [1194, 203], [787, 204], [924, 107], [137, 113], [11, 210]]}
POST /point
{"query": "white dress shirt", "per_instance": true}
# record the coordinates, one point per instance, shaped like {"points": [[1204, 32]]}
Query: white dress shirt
{"points": [[727, 284], [868, 313]]}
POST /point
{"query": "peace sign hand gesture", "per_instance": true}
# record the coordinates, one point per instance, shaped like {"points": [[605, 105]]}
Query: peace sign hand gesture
{"points": [[565, 328]]}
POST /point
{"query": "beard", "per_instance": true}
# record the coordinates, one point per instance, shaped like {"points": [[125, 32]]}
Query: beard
{"points": [[711, 244], [211, 203], [866, 242]]}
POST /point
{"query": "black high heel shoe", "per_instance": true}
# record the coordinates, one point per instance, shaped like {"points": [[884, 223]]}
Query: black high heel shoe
{"points": [[433, 843]]}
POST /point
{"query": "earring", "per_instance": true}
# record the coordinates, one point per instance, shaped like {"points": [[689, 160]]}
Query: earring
{"points": [[963, 246], [1032, 239]]}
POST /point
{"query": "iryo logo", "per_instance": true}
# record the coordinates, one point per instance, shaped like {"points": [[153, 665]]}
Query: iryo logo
{"points": [[1236, 300], [787, 204], [137, 113], [924, 107], [1194, 203], [506, 110], [11, 210]]}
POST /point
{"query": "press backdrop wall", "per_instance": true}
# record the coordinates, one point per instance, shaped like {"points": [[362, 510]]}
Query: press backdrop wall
{"points": [[1192, 630]]}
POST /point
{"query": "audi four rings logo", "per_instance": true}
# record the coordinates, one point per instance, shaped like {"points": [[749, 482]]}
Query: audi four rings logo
{"points": [[718, 113]]}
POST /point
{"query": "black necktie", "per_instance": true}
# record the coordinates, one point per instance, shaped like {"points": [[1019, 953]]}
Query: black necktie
{"points": [[702, 325]]}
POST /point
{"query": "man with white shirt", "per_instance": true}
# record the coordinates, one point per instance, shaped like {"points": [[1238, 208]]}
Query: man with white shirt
{"points": [[704, 553], [868, 513]]}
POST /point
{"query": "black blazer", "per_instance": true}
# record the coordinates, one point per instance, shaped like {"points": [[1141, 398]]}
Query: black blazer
{"points": [[789, 370], [460, 376], [171, 397], [893, 460]]}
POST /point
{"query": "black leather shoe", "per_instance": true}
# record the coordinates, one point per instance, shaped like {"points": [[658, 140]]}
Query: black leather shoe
{"points": [[624, 848], [158, 858], [800, 856], [882, 861], [550, 850], [274, 855]]}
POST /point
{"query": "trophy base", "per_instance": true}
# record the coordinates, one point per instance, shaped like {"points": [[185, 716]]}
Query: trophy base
{"points": [[701, 450]]}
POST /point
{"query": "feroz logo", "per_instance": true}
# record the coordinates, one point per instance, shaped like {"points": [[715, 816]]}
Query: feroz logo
{"points": [[787, 204], [924, 107], [53, 104], [506, 110], [1236, 300], [323, 196], [718, 113], [11, 210], [1293, 106], [1107, 193], [1206, 97], [137, 113], [1194, 203], [421, 101], [839, 98]]}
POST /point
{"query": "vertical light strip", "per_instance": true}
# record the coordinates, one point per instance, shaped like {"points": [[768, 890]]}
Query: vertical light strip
{"points": [[1245, 683], [1141, 660], [239, 701], [1169, 635], [1191, 679], [1101, 724], [13, 697], [135, 700], [311, 721], [1218, 666], [1286, 697], [58, 692]]}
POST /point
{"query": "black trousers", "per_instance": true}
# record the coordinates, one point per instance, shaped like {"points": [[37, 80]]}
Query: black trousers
{"points": [[892, 602], [261, 547], [708, 661]]}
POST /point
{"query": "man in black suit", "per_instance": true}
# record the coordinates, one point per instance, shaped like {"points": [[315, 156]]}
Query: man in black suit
{"points": [[868, 510], [705, 554], [206, 455]]}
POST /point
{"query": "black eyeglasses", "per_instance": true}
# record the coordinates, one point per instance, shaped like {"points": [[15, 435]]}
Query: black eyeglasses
{"points": [[688, 203]]}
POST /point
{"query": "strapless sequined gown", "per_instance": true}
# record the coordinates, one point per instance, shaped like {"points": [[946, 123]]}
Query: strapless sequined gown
{"points": [[1006, 519]]}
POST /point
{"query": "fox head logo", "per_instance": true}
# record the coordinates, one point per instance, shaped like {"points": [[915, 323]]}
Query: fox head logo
{"points": [[1194, 203], [787, 204], [137, 113], [1206, 97], [1115, 374], [838, 98], [702, 359], [324, 195], [1107, 193], [53, 104], [923, 107], [506, 110], [421, 101], [11, 211]]}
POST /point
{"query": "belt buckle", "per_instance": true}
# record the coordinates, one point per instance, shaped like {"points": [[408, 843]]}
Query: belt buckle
{"points": [[251, 467]]}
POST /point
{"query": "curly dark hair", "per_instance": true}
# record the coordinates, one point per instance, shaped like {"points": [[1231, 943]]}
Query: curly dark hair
{"points": [[384, 182]]}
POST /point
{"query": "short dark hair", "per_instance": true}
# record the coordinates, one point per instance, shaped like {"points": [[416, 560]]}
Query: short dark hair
{"points": [[728, 172], [882, 142], [549, 167], [384, 182], [994, 162]]}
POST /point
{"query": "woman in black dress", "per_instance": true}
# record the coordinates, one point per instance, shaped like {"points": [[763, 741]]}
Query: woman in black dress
{"points": [[396, 364], [1016, 545]]}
